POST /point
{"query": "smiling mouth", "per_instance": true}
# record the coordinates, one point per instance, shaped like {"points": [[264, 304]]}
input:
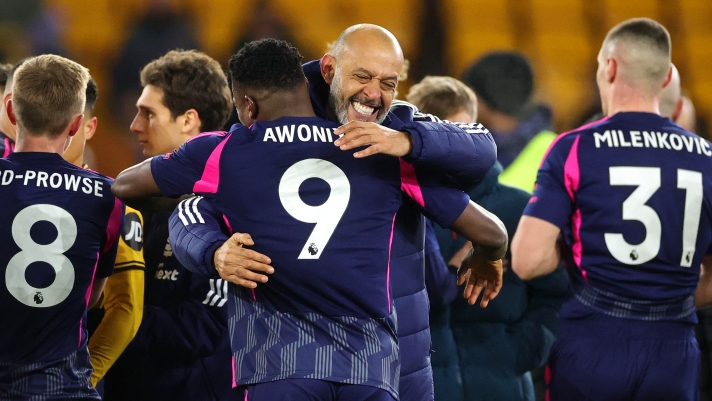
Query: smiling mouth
{"points": [[363, 111]]}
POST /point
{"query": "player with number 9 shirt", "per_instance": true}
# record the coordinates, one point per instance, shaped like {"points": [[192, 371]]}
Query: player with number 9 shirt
{"points": [[61, 225], [632, 196], [326, 220]]}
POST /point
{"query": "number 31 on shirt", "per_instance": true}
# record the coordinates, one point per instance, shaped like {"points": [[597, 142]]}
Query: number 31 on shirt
{"points": [[647, 180]]}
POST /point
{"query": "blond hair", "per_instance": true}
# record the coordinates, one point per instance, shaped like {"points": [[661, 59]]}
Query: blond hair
{"points": [[443, 97], [48, 92]]}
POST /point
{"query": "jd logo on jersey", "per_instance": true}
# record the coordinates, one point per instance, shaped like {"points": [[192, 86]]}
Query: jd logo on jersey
{"points": [[133, 231]]}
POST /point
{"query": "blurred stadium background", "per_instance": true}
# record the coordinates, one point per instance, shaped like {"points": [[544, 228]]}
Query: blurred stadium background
{"points": [[115, 38]]}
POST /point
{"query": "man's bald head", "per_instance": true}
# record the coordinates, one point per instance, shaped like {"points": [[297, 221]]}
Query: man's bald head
{"points": [[366, 36], [671, 96], [362, 69], [641, 48]]}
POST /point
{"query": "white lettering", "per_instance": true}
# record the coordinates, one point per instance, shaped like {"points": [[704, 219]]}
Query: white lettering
{"points": [[285, 133], [42, 178], [635, 139], [29, 175], [662, 140], [51, 180], [614, 139], [606, 137], [706, 148], [318, 134], [7, 176], [699, 147], [623, 142], [269, 134], [71, 181], [98, 187], [650, 140], [302, 128], [328, 133], [689, 142], [675, 141], [87, 185]]}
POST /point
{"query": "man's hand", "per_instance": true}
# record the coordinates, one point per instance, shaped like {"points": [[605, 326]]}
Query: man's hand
{"points": [[238, 265], [378, 138], [479, 273]]}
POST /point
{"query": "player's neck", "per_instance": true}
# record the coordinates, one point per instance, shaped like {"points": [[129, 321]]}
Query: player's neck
{"points": [[40, 143], [286, 104], [631, 101]]}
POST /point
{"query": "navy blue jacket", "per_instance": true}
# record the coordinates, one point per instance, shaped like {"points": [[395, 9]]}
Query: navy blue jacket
{"points": [[486, 354]]}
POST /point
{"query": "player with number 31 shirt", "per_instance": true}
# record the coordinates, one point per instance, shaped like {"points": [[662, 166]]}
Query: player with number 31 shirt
{"points": [[60, 225], [632, 197]]}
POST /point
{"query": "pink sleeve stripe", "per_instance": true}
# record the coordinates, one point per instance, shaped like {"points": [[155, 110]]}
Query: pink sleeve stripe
{"points": [[409, 182], [388, 270], [88, 296], [112, 229], [234, 381], [210, 179], [227, 223], [572, 173], [204, 134], [579, 129]]}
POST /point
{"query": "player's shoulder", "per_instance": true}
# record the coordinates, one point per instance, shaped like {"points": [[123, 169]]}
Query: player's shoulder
{"points": [[407, 112], [212, 138]]}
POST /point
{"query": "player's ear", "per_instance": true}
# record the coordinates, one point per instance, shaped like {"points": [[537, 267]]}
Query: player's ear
{"points": [[668, 78], [611, 69], [253, 109], [10, 111], [191, 121], [90, 127], [75, 124], [328, 68], [678, 109]]}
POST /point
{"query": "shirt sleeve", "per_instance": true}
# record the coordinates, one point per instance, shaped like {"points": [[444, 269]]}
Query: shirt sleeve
{"points": [[130, 251], [114, 227], [196, 232], [123, 306], [196, 161], [556, 182], [438, 202]]}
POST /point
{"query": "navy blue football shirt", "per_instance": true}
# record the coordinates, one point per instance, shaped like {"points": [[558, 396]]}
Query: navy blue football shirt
{"points": [[326, 220], [60, 226], [633, 196]]}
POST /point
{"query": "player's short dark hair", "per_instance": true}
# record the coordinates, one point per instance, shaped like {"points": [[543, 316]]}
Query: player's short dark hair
{"points": [[503, 80], [643, 29], [92, 93], [270, 64], [190, 79], [5, 71]]}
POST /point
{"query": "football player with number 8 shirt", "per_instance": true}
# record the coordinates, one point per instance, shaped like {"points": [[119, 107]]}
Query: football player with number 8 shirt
{"points": [[61, 224], [631, 196]]}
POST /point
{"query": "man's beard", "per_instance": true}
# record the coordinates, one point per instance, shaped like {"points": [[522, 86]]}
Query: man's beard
{"points": [[340, 105]]}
